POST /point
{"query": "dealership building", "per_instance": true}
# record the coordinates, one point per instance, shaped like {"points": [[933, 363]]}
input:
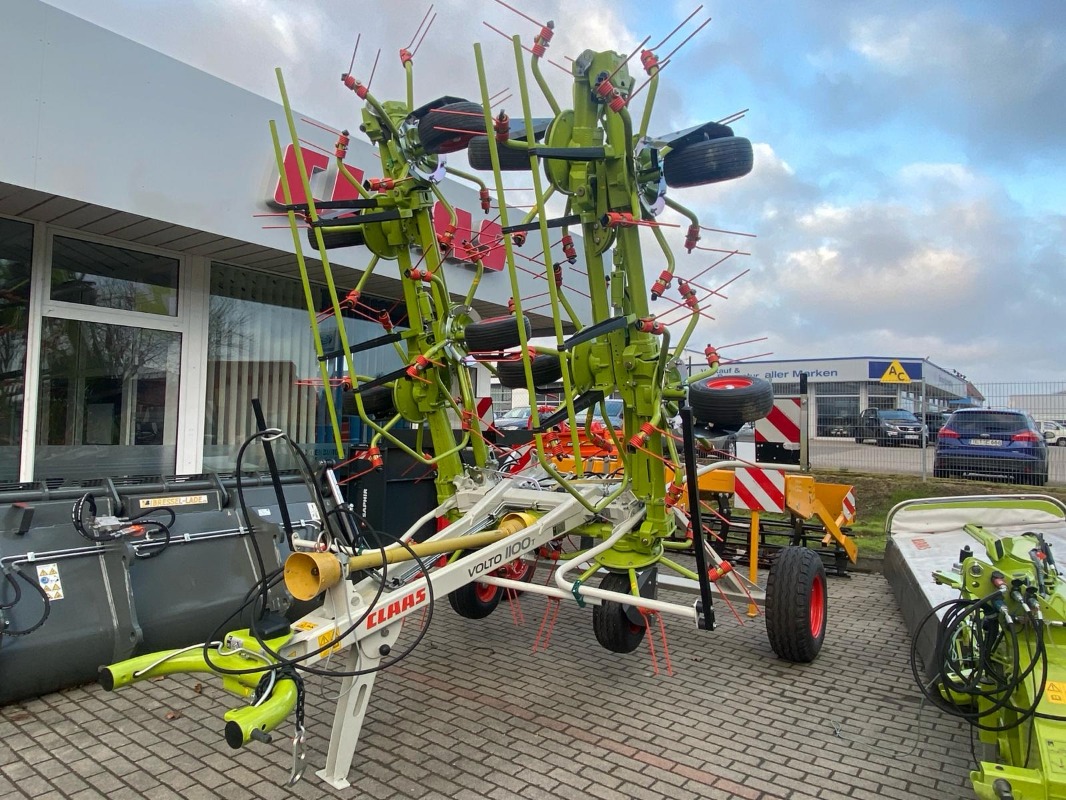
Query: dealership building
{"points": [[142, 305], [839, 389]]}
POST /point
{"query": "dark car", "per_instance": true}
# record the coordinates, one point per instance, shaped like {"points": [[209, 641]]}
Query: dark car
{"points": [[517, 419], [890, 426], [992, 443], [934, 421]]}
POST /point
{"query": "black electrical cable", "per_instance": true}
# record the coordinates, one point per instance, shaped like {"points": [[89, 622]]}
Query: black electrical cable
{"points": [[259, 592], [297, 662], [129, 525], [261, 585], [4, 631], [984, 670]]}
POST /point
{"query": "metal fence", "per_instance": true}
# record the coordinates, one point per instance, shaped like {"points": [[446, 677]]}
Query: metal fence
{"points": [[849, 432]]}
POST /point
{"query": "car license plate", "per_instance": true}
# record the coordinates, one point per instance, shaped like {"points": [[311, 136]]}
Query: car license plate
{"points": [[910, 436], [986, 442]]}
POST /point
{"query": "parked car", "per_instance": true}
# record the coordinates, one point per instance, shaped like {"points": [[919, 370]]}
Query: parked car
{"points": [[516, 419], [615, 407], [890, 426], [934, 421], [1003, 443], [1054, 433]]}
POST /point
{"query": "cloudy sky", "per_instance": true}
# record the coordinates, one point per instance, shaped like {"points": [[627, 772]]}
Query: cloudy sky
{"points": [[909, 189]]}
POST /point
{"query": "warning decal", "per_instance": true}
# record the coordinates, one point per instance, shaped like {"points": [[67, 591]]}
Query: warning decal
{"points": [[177, 500], [48, 577]]}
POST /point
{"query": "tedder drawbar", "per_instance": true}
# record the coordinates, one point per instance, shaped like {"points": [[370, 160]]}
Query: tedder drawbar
{"points": [[626, 493]]}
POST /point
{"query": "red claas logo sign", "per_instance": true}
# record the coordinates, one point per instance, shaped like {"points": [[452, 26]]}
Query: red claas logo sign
{"points": [[488, 233]]}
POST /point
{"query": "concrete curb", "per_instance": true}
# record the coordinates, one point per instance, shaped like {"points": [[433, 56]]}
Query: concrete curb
{"points": [[868, 564]]}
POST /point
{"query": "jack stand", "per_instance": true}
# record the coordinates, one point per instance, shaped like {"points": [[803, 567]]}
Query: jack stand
{"points": [[547, 624], [352, 704]]}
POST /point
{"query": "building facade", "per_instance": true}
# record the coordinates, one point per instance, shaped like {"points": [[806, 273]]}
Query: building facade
{"points": [[142, 305], [839, 389]]}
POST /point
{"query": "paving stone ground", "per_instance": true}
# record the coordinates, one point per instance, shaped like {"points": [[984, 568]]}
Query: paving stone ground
{"points": [[475, 713]]}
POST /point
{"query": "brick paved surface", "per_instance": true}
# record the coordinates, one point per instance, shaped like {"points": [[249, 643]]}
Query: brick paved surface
{"points": [[474, 713]]}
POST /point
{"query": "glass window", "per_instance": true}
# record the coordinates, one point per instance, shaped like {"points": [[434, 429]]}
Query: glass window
{"points": [[108, 403], [113, 277], [260, 346], [786, 389], [837, 416], [838, 387], [989, 422], [501, 397], [16, 246]]}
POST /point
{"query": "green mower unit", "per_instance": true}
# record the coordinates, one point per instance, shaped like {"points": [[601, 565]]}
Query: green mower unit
{"points": [[997, 663]]}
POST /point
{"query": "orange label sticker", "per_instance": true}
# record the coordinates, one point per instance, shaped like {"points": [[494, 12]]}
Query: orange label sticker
{"points": [[1055, 692], [325, 638], [305, 626]]}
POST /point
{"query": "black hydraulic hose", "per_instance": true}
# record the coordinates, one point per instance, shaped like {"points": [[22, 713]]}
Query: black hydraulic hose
{"points": [[153, 548], [17, 589], [4, 631], [983, 670]]}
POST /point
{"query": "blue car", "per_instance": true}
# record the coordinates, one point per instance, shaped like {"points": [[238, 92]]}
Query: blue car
{"points": [[995, 443]]}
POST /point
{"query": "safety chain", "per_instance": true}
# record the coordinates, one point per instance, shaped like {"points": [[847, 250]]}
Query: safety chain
{"points": [[299, 739]]}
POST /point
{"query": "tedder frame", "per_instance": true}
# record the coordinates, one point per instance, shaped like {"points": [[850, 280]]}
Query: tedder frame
{"points": [[629, 495]]}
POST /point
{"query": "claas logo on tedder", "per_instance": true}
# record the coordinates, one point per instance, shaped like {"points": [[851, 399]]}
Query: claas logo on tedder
{"points": [[489, 231]]}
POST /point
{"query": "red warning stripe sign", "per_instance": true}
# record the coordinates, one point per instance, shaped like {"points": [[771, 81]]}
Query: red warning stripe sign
{"points": [[847, 506], [759, 489], [782, 424], [484, 411]]}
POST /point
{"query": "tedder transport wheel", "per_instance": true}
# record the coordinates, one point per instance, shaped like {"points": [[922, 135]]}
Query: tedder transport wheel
{"points": [[498, 333], [710, 161], [511, 160], [377, 401], [796, 604], [614, 628], [334, 239], [729, 402], [478, 600], [450, 127], [546, 370]]}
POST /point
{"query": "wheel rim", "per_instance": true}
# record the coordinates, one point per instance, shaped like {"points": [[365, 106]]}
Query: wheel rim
{"points": [[733, 382], [485, 592], [817, 608], [515, 570]]}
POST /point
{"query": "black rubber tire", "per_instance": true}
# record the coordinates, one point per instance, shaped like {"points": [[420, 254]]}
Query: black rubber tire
{"points": [[546, 369], [478, 600], [472, 600], [335, 239], [730, 401], [612, 626], [498, 333], [859, 440], [709, 161], [377, 401], [462, 116], [797, 605], [939, 472], [510, 160]]}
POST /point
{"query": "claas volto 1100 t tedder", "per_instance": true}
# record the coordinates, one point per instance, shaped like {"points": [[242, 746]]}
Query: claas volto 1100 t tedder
{"points": [[629, 495]]}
